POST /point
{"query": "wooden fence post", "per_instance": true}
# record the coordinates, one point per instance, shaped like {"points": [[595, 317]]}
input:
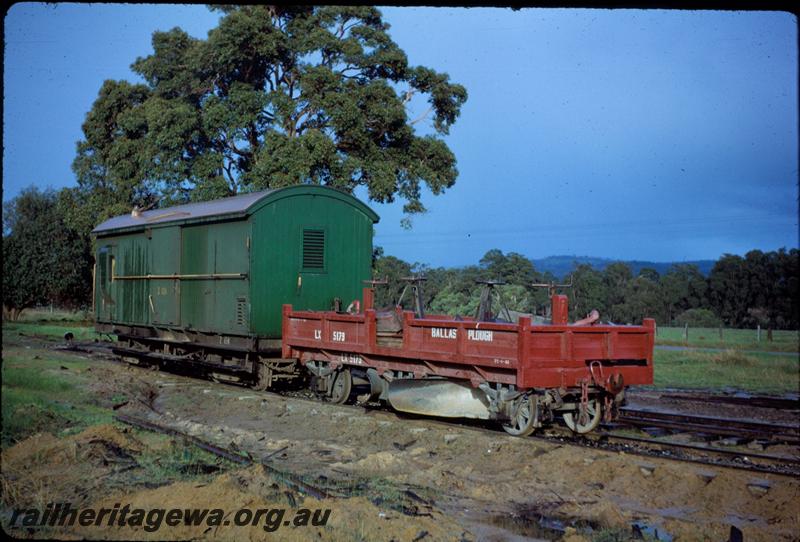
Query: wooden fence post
{"points": [[758, 333], [686, 333]]}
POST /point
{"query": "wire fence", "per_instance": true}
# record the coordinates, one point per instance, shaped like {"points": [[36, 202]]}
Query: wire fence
{"points": [[721, 337]]}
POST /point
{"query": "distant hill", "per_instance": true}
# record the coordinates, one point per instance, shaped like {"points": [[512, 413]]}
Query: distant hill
{"points": [[561, 265]]}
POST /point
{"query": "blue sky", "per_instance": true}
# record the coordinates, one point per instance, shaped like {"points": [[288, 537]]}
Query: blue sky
{"points": [[633, 134]]}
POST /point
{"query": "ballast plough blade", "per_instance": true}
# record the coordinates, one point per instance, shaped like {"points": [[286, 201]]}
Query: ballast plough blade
{"points": [[437, 397]]}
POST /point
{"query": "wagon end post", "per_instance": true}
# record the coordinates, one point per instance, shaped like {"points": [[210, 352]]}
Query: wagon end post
{"points": [[368, 298], [523, 348], [650, 325], [559, 309], [286, 349], [370, 320]]}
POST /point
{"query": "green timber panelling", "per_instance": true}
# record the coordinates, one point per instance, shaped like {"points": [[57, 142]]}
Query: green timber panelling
{"points": [[337, 258], [232, 296], [277, 256], [221, 304], [131, 258], [165, 257], [104, 302], [197, 296]]}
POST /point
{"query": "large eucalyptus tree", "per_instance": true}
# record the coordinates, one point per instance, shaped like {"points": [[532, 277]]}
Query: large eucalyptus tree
{"points": [[274, 96]]}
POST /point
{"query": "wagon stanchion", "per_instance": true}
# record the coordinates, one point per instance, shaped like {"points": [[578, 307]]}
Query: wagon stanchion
{"points": [[415, 283]]}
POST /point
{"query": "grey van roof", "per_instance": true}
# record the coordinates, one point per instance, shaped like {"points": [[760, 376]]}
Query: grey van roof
{"points": [[233, 205], [225, 208]]}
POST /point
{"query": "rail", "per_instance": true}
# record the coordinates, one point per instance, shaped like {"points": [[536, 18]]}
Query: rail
{"points": [[789, 434]]}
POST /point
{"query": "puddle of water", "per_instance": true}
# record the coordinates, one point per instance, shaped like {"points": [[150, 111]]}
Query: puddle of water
{"points": [[533, 526], [543, 527], [650, 532]]}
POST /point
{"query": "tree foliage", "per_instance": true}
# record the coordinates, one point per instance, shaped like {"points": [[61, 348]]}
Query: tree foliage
{"points": [[275, 96], [588, 291], [698, 318], [683, 288], [456, 291], [392, 270], [641, 298], [757, 289], [44, 261]]}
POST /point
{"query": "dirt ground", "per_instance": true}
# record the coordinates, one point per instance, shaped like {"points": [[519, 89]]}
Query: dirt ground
{"points": [[416, 479]]}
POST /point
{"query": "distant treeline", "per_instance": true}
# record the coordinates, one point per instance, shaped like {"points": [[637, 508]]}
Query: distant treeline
{"points": [[562, 266], [760, 288]]}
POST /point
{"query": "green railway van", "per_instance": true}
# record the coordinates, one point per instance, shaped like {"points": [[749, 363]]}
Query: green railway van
{"points": [[207, 280]]}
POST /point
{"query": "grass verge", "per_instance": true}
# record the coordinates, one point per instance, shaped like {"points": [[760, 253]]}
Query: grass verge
{"points": [[752, 372], [47, 392], [165, 460], [44, 314], [17, 332], [42, 393]]}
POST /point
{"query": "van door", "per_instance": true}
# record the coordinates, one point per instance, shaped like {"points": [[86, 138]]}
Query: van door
{"points": [[106, 291], [164, 295]]}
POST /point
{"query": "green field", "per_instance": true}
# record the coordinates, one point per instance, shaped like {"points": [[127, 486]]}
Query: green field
{"points": [[738, 339], [50, 331], [759, 372]]}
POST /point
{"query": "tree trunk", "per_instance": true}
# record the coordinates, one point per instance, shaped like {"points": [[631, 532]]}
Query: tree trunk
{"points": [[11, 313]]}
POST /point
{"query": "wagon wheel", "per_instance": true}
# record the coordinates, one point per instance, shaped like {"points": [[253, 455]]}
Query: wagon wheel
{"points": [[263, 377], [594, 413], [341, 386], [525, 419]]}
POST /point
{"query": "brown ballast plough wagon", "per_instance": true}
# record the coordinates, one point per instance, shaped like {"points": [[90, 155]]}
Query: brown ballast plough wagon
{"points": [[518, 373]]}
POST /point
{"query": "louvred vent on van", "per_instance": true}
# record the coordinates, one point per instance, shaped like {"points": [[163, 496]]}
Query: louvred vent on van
{"points": [[314, 249], [241, 311]]}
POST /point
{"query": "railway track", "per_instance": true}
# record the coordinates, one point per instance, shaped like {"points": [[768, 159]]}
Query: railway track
{"points": [[751, 401], [605, 440], [707, 425], [706, 455]]}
